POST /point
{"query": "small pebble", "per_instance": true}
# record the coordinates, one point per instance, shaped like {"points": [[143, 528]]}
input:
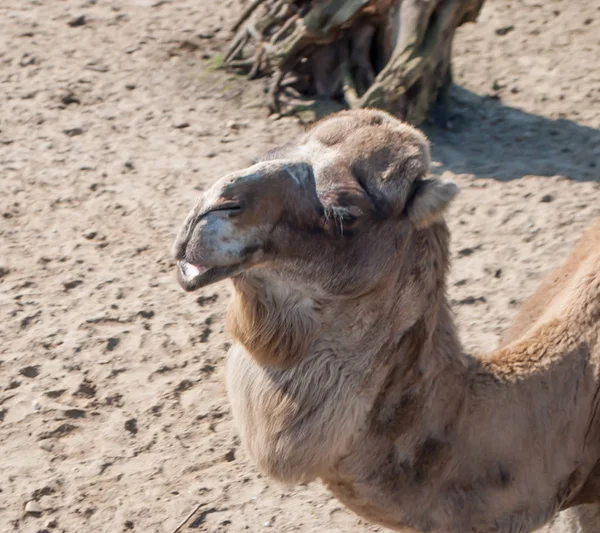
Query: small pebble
{"points": [[30, 371], [77, 21], [46, 446], [504, 30], [546, 198], [33, 507], [73, 132], [112, 343], [131, 426], [230, 456], [69, 99]]}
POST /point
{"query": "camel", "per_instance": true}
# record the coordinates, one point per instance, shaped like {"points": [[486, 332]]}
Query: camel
{"points": [[582, 518], [346, 365]]}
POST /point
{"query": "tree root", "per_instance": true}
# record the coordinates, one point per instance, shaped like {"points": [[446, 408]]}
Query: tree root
{"points": [[246, 14], [391, 54]]}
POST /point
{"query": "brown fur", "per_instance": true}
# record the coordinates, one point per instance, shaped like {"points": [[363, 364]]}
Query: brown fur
{"points": [[554, 284], [347, 366], [581, 518]]}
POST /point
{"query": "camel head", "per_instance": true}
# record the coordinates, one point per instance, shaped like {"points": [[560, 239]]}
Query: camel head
{"points": [[329, 213]]}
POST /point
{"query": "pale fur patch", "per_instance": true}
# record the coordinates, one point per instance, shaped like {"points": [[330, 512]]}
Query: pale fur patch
{"points": [[297, 423], [277, 327]]}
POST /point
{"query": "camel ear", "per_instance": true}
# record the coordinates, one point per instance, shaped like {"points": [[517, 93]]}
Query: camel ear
{"points": [[429, 200]]}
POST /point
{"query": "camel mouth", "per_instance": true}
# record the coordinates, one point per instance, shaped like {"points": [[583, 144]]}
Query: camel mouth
{"points": [[192, 277]]}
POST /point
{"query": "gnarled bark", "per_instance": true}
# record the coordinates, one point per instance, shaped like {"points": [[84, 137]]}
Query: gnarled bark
{"points": [[390, 54]]}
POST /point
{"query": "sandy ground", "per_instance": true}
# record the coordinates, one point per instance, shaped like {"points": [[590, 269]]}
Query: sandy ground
{"points": [[113, 414]]}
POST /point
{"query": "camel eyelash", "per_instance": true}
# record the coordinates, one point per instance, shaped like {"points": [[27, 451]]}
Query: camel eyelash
{"points": [[341, 217]]}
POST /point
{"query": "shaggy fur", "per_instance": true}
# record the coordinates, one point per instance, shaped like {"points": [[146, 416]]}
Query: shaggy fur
{"points": [[554, 285], [347, 365], [554, 288]]}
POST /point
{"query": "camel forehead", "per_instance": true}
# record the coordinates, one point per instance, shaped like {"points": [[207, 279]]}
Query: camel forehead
{"points": [[369, 151], [322, 150], [322, 158]]}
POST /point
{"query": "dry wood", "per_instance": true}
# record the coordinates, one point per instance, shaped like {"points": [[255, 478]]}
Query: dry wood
{"points": [[187, 518], [391, 54], [246, 14]]}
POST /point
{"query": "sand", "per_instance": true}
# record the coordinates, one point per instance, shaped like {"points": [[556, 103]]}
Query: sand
{"points": [[113, 413]]}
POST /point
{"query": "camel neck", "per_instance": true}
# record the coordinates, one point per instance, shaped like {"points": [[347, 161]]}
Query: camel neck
{"points": [[405, 321]]}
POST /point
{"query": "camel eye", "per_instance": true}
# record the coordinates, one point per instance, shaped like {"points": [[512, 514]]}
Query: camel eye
{"points": [[343, 219], [349, 220], [230, 208]]}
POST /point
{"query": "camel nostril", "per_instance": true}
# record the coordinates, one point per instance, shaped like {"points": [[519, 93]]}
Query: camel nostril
{"points": [[178, 250], [179, 247]]}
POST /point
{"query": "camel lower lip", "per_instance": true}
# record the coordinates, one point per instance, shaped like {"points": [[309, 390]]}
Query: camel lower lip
{"points": [[192, 277], [192, 271]]}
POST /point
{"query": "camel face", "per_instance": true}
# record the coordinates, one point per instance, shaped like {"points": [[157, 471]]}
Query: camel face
{"points": [[329, 215], [269, 218]]}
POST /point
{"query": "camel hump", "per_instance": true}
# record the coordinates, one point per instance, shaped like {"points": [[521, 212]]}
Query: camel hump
{"points": [[570, 289]]}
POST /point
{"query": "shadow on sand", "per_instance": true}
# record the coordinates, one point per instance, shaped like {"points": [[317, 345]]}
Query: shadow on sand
{"points": [[492, 140]]}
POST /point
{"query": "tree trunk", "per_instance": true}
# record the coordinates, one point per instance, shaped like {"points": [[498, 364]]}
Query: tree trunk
{"points": [[323, 54]]}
